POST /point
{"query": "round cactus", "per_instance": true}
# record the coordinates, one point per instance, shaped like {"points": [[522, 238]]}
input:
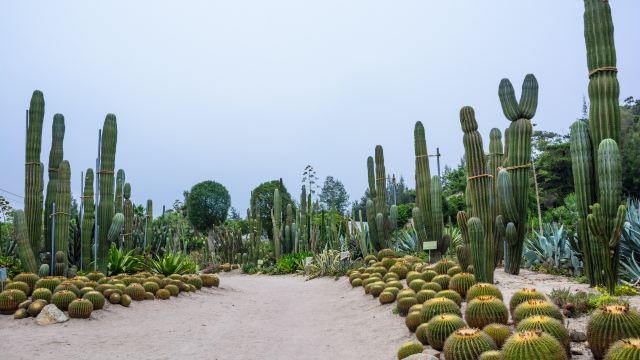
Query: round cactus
{"points": [[462, 282], [95, 276], [386, 253], [35, 307], [61, 299], [609, 324], [451, 295], [417, 284], [440, 327], [405, 293], [424, 295], [196, 281], [438, 306], [48, 282], [41, 294], [547, 324], [467, 344], [483, 289], [405, 303], [390, 276], [400, 270], [536, 307], [78, 283], [115, 298], [173, 289], [69, 286], [627, 349], [27, 277], [409, 348], [533, 345], [428, 275], [454, 271], [96, 298], [388, 262], [413, 275], [442, 280], [413, 320], [80, 309], [485, 310], [443, 266], [421, 333], [149, 296], [370, 258], [163, 294], [491, 355], [433, 286], [392, 290], [21, 314], [356, 282], [395, 283], [524, 295], [19, 285], [498, 332], [135, 291], [125, 300], [386, 297], [10, 301]]}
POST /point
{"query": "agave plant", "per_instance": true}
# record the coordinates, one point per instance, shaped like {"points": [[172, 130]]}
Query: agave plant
{"points": [[551, 249], [630, 242], [120, 261], [328, 263], [172, 263], [407, 239]]}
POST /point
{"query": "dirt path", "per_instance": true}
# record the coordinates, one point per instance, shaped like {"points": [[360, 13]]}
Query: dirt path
{"points": [[249, 317]]}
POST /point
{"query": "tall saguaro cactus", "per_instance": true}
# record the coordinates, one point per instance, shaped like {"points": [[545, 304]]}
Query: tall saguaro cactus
{"points": [[63, 209], [55, 157], [118, 201], [479, 186], [33, 180], [276, 218], [597, 170], [88, 219], [105, 175], [517, 164], [423, 183], [496, 158], [127, 211]]}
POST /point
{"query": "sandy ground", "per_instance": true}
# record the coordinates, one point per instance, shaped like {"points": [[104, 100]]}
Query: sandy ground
{"points": [[248, 317]]}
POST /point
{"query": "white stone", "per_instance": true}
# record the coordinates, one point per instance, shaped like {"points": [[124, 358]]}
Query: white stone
{"points": [[50, 314]]}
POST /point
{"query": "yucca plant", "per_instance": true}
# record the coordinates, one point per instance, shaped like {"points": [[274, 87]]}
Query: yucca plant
{"points": [[630, 242], [121, 261], [172, 263]]}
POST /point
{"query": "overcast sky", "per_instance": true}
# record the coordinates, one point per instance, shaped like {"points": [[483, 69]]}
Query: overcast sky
{"points": [[245, 91]]}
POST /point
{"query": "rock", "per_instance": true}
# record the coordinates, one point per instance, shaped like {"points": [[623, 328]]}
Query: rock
{"points": [[51, 315], [576, 352], [578, 336], [422, 356]]}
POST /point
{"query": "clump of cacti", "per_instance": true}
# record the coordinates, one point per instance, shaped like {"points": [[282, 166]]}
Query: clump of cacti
{"points": [[440, 327], [524, 295], [10, 301], [442, 280], [533, 345], [551, 326], [609, 324], [467, 344], [80, 309], [536, 307], [498, 332], [409, 348], [485, 310], [624, 350], [61, 299]]}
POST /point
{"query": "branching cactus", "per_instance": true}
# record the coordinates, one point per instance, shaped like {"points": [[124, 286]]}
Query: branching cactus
{"points": [[33, 180], [63, 209], [597, 170], [127, 211], [88, 219], [105, 207], [479, 188], [55, 157], [517, 164]]}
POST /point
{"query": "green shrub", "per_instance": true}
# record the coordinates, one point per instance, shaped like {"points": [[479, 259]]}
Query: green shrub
{"points": [[120, 261], [291, 263], [172, 263]]}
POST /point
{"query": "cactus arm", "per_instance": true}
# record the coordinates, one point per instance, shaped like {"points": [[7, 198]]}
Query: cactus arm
{"points": [[529, 97], [63, 210], [23, 247], [507, 96]]}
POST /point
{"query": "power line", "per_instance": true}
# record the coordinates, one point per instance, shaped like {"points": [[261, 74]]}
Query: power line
{"points": [[11, 193]]}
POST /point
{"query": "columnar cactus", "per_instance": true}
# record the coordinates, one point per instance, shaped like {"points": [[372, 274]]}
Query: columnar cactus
{"points": [[479, 186], [276, 218], [127, 211], [437, 225], [496, 158], [118, 200], [149, 228], [55, 157], [423, 182], [302, 226], [463, 251], [23, 247], [88, 219], [63, 209], [105, 176], [594, 153], [33, 180], [517, 164]]}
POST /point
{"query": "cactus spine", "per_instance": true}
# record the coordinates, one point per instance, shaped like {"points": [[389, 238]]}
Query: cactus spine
{"points": [[33, 186], [105, 175], [25, 253], [119, 189], [55, 157], [127, 210], [479, 186], [594, 153], [517, 164], [88, 219], [63, 210]]}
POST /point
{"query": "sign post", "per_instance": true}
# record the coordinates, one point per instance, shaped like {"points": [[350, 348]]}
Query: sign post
{"points": [[429, 245]]}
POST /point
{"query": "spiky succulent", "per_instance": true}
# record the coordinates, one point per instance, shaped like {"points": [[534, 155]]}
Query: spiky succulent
{"points": [[485, 310], [61, 299], [173, 289], [524, 295], [417, 284], [163, 294], [627, 349], [533, 345], [609, 324], [467, 344], [451, 295], [409, 348], [114, 298], [80, 309], [67, 285], [440, 327], [413, 320], [551, 326], [424, 295], [443, 266], [27, 277], [483, 289], [462, 282], [125, 300], [433, 286], [10, 301], [96, 298], [491, 355], [498, 332], [454, 271], [386, 297], [421, 334], [438, 306], [536, 307], [19, 285]]}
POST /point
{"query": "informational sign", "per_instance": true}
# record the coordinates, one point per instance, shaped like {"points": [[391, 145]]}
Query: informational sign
{"points": [[260, 262], [429, 245], [3, 277], [344, 255]]}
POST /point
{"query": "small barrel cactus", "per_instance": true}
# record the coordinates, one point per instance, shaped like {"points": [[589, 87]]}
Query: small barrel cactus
{"points": [[19, 285], [35, 307], [149, 296], [491, 355], [61, 299], [96, 298], [440, 327], [114, 298], [627, 349], [609, 324], [95, 276], [428, 275], [433, 286], [151, 286], [173, 289], [454, 271], [438, 306], [467, 344], [442, 280], [27, 277], [409, 348], [135, 291], [451, 295], [533, 345], [424, 295], [483, 289], [10, 301], [524, 295], [196, 281], [462, 282], [386, 297], [377, 288], [443, 266], [80, 309], [498, 332], [405, 303], [125, 300], [536, 307], [44, 270], [413, 320], [163, 294], [551, 326], [417, 284], [41, 294], [48, 282], [69, 286], [421, 333], [21, 314], [485, 310]]}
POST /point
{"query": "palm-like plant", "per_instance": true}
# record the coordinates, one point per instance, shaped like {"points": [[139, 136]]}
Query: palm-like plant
{"points": [[172, 263], [121, 261]]}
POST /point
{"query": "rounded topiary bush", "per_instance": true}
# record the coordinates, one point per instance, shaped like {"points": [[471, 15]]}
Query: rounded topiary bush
{"points": [[485, 310], [628, 349], [536, 307], [524, 295], [462, 282], [409, 348], [467, 344], [551, 326], [483, 289], [609, 324], [498, 332], [440, 327], [438, 306], [533, 345]]}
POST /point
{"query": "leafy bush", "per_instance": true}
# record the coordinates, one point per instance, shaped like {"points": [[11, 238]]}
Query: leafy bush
{"points": [[120, 261], [172, 263], [12, 264], [404, 214], [291, 263], [578, 303], [621, 290]]}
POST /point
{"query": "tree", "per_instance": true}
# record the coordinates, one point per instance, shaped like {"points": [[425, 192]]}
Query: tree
{"points": [[630, 146], [262, 201], [310, 178], [454, 181], [208, 205], [333, 195], [552, 157]]}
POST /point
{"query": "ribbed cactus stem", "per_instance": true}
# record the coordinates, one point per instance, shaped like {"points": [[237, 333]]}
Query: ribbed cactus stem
{"points": [[63, 209], [55, 157], [496, 158], [381, 197], [118, 201], [33, 181], [23, 247], [276, 217], [436, 218], [127, 211], [149, 219], [302, 226], [423, 181], [88, 219], [105, 207], [373, 228]]}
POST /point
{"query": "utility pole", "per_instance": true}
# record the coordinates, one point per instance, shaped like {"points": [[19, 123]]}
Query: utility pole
{"points": [[437, 156]]}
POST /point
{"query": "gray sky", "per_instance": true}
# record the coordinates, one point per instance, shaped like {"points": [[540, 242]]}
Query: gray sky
{"points": [[246, 91]]}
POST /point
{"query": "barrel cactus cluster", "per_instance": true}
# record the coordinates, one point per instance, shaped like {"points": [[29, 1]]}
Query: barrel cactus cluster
{"points": [[27, 294]]}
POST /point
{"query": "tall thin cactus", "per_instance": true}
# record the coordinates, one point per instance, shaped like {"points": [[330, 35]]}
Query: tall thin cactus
{"points": [[105, 174], [496, 159], [127, 211], [33, 181], [423, 184], [25, 253], [517, 163], [118, 201], [302, 227], [55, 157], [88, 219], [276, 218], [63, 209], [149, 222], [370, 205]]}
